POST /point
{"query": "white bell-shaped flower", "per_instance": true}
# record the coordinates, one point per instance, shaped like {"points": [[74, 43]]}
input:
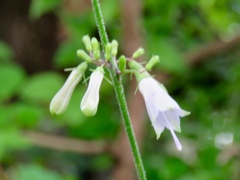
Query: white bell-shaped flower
{"points": [[164, 112], [60, 101], [90, 100]]}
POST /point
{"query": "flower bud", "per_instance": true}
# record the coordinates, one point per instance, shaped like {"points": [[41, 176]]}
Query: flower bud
{"points": [[60, 101], [95, 48], [108, 51], [138, 52], [87, 42], [90, 100], [122, 63], [81, 53], [154, 60], [114, 47]]}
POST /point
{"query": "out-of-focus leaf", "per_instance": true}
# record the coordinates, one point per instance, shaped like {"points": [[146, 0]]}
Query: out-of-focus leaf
{"points": [[73, 115], [110, 9], [39, 7], [42, 87], [11, 77], [11, 139], [34, 172], [5, 52], [102, 125], [66, 55], [171, 59], [24, 115]]}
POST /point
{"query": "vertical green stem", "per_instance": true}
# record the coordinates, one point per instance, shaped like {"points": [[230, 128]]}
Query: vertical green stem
{"points": [[120, 95]]}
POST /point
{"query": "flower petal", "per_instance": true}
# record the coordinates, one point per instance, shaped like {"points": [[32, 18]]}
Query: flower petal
{"points": [[182, 112], [158, 126], [168, 125], [173, 118], [89, 103]]}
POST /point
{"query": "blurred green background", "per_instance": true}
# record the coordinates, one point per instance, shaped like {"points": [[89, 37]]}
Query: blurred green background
{"points": [[198, 43]]}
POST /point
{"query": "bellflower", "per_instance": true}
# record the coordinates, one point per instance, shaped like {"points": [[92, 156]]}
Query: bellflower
{"points": [[164, 112], [60, 101], [89, 103]]}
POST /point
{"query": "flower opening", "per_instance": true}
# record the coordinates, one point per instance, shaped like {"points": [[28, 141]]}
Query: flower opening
{"points": [[164, 112]]}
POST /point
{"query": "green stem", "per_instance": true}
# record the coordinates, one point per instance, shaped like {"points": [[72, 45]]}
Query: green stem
{"points": [[118, 87]]}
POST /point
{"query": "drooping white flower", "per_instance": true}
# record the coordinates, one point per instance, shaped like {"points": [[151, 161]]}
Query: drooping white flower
{"points": [[60, 101], [164, 112], [89, 103]]}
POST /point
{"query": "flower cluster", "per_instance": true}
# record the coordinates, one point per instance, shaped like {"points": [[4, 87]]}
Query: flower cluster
{"points": [[164, 112]]}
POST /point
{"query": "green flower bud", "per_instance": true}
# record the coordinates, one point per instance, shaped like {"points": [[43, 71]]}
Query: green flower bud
{"points": [[96, 55], [95, 44], [138, 52], [87, 42], [139, 71], [60, 101], [114, 47], [122, 63], [81, 53], [90, 100], [154, 60], [96, 48], [108, 51]]}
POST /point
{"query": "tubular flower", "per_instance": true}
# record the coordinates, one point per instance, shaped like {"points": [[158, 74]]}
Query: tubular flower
{"points": [[90, 100], [164, 112], [60, 101]]}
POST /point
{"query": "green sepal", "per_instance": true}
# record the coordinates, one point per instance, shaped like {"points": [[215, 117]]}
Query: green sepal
{"points": [[140, 72]]}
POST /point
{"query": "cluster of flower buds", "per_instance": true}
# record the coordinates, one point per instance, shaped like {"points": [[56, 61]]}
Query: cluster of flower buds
{"points": [[164, 112]]}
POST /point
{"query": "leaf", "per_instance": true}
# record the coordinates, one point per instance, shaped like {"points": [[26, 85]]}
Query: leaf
{"points": [[11, 139], [11, 77], [5, 52], [73, 115], [42, 87], [34, 172], [39, 7], [24, 115], [171, 59], [66, 55]]}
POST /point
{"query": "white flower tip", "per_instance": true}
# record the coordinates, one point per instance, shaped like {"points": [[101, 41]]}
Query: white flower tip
{"points": [[87, 111], [179, 146], [184, 113], [177, 142]]}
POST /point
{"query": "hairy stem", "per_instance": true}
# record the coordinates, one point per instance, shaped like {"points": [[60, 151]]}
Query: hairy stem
{"points": [[118, 87]]}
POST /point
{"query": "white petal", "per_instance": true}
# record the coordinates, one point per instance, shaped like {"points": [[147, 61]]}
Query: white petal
{"points": [[151, 108], [168, 125], [89, 103], [182, 112], [173, 118], [158, 126], [60, 101]]}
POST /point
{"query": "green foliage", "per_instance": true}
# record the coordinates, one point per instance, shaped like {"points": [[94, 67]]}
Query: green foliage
{"points": [[5, 52], [41, 87], [171, 29], [39, 7], [11, 139], [10, 79], [36, 172]]}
